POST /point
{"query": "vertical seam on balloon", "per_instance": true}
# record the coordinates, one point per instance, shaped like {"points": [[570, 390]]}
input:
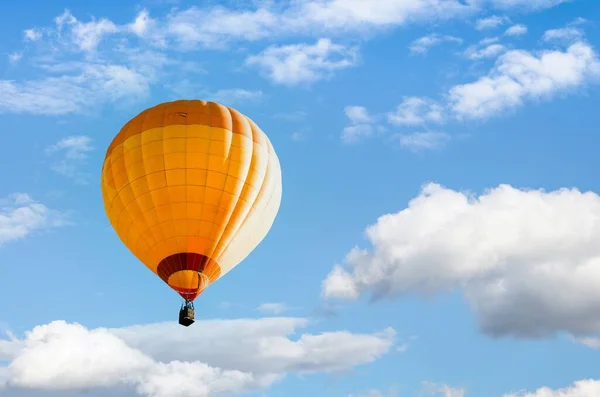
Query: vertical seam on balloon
{"points": [[244, 215], [219, 247], [258, 211], [142, 161], [171, 263], [224, 224], [203, 203], [247, 214], [135, 247], [149, 192], [187, 240], [215, 225]]}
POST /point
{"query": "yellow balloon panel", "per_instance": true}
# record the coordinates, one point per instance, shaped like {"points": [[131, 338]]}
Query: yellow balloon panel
{"points": [[191, 188]]}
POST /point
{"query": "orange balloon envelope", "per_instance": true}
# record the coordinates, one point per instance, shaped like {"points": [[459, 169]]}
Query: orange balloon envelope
{"points": [[191, 188]]}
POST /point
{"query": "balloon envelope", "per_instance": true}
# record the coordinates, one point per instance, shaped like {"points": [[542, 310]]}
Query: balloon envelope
{"points": [[191, 188]]}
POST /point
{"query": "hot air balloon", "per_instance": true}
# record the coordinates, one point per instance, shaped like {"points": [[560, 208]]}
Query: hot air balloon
{"points": [[191, 188]]}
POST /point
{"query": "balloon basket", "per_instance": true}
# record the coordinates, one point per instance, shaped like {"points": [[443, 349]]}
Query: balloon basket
{"points": [[186, 314]]}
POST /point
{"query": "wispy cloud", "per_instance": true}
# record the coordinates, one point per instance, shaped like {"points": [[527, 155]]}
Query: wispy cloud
{"points": [[516, 30], [413, 111], [441, 390], [14, 57], [233, 96], [73, 154], [88, 86], [423, 44], [273, 308], [490, 22], [21, 215], [419, 141], [563, 34], [488, 51], [303, 63], [361, 124]]}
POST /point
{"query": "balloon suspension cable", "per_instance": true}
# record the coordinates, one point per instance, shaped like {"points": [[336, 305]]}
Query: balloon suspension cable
{"points": [[188, 303]]}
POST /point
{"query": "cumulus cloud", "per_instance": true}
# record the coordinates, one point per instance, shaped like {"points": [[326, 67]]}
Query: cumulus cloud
{"points": [[516, 76], [232, 96], [114, 66], [423, 44], [591, 342], [526, 260], [73, 152], [439, 390], [14, 57], [21, 215], [491, 22], [160, 360], [376, 393], [568, 34], [418, 141], [86, 85], [303, 63], [358, 114], [582, 388], [272, 308], [414, 111], [84, 35], [520, 75], [488, 51], [516, 30], [361, 124], [523, 5], [215, 26]]}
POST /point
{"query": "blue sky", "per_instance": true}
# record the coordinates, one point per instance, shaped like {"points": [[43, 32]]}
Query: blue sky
{"points": [[439, 223]]}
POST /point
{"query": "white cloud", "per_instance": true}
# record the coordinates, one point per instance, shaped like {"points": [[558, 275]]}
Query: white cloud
{"points": [[361, 124], [516, 30], [490, 51], [85, 35], [20, 216], [589, 341], [357, 114], [568, 34], [160, 360], [298, 136], [520, 75], [89, 86], [488, 40], [582, 388], [418, 141], [32, 34], [416, 111], [526, 260], [527, 5], [216, 26], [110, 66], [14, 57], [376, 393], [434, 389], [74, 154], [423, 44], [228, 97], [142, 23], [491, 22], [303, 63], [354, 133], [272, 308]]}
